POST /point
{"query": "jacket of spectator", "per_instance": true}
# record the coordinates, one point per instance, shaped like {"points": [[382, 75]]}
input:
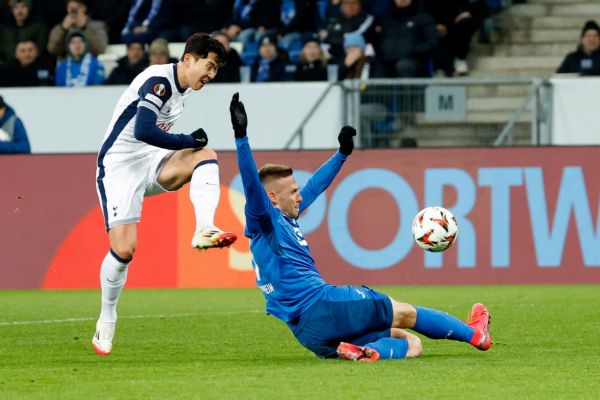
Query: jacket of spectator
{"points": [[20, 27], [407, 32], [95, 31], [341, 26], [202, 15], [114, 13], [129, 66], [270, 66], [312, 65], [581, 63], [586, 59], [27, 69], [255, 13], [230, 72], [13, 136], [146, 18], [81, 68], [296, 16], [444, 12]]}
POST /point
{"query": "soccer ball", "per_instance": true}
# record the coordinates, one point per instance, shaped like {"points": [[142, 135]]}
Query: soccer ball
{"points": [[434, 229]]}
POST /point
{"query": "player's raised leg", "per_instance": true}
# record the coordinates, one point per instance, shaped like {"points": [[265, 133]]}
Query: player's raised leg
{"points": [[201, 168], [113, 274], [440, 325]]}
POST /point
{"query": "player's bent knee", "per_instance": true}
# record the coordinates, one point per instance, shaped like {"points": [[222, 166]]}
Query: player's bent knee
{"points": [[125, 250], [205, 154], [415, 347], [405, 315]]}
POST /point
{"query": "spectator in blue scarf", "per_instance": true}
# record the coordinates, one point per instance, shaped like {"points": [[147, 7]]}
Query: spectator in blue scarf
{"points": [[81, 68]]}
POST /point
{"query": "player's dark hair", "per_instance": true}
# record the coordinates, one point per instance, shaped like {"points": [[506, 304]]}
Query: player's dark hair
{"points": [[269, 172], [200, 44]]}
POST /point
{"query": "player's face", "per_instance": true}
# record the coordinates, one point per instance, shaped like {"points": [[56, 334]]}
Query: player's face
{"points": [[285, 195], [201, 71]]}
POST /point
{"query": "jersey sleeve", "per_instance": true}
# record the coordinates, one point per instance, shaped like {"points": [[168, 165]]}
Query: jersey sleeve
{"points": [[153, 95], [257, 201], [320, 180]]}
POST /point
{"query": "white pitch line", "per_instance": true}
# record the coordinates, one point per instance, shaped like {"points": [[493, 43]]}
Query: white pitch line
{"points": [[182, 315]]}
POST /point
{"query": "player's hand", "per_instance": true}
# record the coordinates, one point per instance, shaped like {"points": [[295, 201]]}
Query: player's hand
{"points": [[200, 138], [346, 140], [239, 119]]}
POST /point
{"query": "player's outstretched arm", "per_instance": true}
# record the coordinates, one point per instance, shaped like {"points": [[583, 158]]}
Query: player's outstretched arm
{"points": [[322, 178], [145, 130], [257, 202]]}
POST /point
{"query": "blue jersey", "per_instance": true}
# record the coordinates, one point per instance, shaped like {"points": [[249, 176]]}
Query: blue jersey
{"points": [[285, 270]]}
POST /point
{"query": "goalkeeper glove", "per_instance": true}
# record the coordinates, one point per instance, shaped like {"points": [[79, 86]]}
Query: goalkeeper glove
{"points": [[345, 138], [239, 119]]}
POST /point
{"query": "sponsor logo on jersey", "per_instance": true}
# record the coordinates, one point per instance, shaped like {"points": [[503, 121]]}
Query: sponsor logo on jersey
{"points": [[159, 89], [165, 126]]}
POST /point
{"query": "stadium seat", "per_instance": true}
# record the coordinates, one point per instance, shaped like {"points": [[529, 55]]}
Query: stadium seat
{"points": [[294, 51], [109, 61], [250, 53]]}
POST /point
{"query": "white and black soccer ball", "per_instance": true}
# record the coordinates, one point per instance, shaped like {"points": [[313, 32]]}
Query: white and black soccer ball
{"points": [[434, 229]]}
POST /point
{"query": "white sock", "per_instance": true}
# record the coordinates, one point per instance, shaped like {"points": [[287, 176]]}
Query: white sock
{"points": [[205, 192], [113, 275]]}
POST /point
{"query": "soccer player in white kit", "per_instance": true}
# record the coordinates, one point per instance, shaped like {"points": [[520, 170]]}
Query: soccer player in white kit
{"points": [[140, 157]]}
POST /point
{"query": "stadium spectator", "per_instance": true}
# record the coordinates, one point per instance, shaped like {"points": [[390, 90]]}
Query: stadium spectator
{"points": [[13, 136], [270, 64], [251, 19], [129, 66], [586, 59], [230, 72], [28, 68], [159, 52], [146, 18], [19, 27], [405, 42], [350, 322], [296, 17], [456, 23], [191, 16], [326, 9], [48, 12], [77, 18], [114, 14], [312, 65], [347, 35], [81, 68]]}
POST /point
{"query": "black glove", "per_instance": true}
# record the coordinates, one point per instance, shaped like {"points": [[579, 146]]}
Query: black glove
{"points": [[345, 138], [239, 119], [200, 138]]}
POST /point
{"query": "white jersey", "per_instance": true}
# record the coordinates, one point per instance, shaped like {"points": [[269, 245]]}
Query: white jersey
{"points": [[157, 89], [127, 167]]}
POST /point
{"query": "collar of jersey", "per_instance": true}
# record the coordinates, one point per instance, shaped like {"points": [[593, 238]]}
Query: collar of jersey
{"points": [[179, 88]]}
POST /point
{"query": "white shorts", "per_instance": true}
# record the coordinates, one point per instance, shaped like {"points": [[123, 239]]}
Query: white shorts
{"points": [[122, 186]]}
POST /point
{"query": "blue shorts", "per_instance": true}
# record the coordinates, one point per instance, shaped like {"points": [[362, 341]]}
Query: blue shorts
{"points": [[355, 314]]}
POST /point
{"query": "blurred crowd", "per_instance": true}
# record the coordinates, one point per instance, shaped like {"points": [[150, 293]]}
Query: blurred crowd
{"points": [[57, 42]]}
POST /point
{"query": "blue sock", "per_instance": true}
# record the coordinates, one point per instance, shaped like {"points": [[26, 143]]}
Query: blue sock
{"points": [[389, 348], [440, 325]]}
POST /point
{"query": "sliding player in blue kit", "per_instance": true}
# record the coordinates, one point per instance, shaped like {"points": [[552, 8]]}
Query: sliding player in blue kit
{"points": [[349, 322]]}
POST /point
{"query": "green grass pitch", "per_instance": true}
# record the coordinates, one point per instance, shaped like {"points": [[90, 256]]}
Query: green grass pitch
{"points": [[219, 344]]}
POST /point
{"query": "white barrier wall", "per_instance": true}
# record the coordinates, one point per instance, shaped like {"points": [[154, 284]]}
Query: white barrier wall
{"points": [[74, 120], [576, 118]]}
